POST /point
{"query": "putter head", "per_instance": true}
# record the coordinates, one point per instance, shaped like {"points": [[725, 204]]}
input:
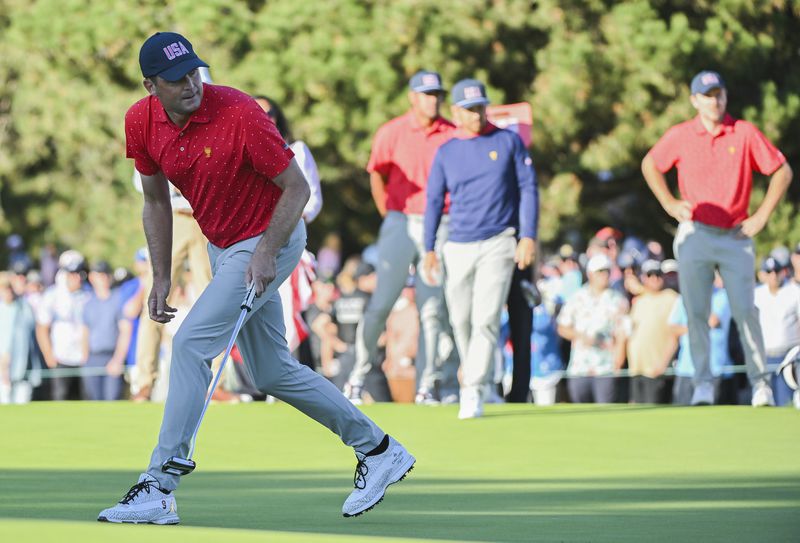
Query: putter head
{"points": [[175, 465]]}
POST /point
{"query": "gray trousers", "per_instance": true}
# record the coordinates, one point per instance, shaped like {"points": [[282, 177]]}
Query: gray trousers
{"points": [[478, 279], [400, 244], [700, 249], [205, 333]]}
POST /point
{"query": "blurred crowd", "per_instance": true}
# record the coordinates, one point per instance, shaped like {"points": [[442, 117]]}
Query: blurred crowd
{"points": [[609, 325]]}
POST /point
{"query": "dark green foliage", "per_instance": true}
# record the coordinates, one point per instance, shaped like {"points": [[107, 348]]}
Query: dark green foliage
{"points": [[605, 79]]}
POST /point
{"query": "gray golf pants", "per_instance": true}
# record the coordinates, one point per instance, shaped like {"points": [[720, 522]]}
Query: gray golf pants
{"points": [[478, 280], [206, 332], [400, 244], [700, 249]]}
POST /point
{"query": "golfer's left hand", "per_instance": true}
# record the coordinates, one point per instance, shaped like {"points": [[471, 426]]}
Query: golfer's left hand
{"points": [[526, 253], [262, 270]]}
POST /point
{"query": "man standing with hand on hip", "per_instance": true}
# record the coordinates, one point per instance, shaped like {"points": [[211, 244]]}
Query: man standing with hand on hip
{"points": [[494, 196], [219, 148], [402, 153], [716, 155]]}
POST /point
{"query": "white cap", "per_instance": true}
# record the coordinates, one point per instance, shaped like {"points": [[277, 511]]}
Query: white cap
{"points": [[598, 262]]}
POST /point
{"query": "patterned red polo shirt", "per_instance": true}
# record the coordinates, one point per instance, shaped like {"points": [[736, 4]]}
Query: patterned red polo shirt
{"points": [[223, 160], [715, 173]]}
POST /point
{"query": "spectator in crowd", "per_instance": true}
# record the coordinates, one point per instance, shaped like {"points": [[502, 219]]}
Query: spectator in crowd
{"points": [[719, 324], [329, 256], [106, 334], [59, 322], [348, 310], [402, 339], [592, 321], [17, 325], [302, 154], [795, 264], [48, 263], [489, 176], [19, 277], [322, 332], [570, 270], [778, 303], [715, 230], [649, 336], [17, 256], [399, 166]]}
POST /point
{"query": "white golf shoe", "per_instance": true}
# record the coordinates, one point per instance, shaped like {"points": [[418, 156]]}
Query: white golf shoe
{"points": [[144, 503], [373, 476], [471, 403], [762, 396]]}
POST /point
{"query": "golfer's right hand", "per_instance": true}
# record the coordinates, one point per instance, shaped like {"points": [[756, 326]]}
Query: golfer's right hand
{"points": [[157, 303]]}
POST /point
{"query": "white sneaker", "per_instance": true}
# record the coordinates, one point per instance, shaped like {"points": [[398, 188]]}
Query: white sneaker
{"points": [[762, 396], [354, 393], [373, 476], [145, 503], [796, 398], [703, 394], [471, 403]]}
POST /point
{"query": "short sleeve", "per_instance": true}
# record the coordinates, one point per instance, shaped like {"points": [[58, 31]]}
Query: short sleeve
{"points": [[567, 315], [665, 152], [720, 306], [766, 158], [135, 148], [44, 312], [380, 157], [676, 315], [269, 154]]}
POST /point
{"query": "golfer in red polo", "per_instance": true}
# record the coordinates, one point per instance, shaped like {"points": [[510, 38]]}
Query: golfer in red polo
{"points": [[715, 156], [225, 155]]}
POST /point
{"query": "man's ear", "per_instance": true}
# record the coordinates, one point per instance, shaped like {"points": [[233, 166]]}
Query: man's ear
{"points": [[693, 100], [150, 86]]}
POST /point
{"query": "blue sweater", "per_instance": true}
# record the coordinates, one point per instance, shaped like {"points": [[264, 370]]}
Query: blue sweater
{"points": [[492, 186]]}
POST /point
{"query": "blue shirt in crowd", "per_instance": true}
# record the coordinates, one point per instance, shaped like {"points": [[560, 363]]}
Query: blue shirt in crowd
{"points": [[102, 318], [718, 349], [492, 186]]}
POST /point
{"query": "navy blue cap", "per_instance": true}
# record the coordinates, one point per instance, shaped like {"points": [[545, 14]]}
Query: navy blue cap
{"points": [[425, 81], [705, 81], [771, 264], [169, 56], [468, 93]]}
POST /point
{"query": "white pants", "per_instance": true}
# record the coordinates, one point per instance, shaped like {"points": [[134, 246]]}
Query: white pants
{"points": [[478, 279]]}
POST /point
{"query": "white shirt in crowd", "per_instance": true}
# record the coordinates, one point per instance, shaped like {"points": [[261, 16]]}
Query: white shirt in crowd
{"points": [[779, 314], [62, 310], [302, 155]]}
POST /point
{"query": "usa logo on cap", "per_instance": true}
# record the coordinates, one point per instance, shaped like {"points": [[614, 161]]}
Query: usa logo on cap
{"points": [[430, 80], [472, 92], [710, 79], [175, 50]]}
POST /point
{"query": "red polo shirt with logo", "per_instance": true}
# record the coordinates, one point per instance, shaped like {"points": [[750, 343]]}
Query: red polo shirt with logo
{"points": [[223, 160], [402, 152], [715, 173]]}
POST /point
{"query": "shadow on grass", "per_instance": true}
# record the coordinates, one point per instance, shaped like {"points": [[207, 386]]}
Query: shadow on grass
{"points": [[624, 509]]}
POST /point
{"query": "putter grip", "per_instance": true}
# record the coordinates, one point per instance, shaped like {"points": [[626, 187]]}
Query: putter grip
{"points": [[247, 303]]}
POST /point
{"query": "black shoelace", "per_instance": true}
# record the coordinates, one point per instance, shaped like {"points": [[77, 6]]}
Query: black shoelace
{"points": [[360, 477], [135, 490]]}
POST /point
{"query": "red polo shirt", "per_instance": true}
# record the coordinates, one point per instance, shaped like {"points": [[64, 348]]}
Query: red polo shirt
{"points": [[223, 161], [402, 152], [715, 173]]}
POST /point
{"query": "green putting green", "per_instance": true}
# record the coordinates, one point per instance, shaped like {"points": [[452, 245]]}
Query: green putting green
{"points": [[521, 473]]}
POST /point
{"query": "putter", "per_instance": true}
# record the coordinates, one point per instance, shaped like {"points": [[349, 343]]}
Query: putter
{"points": [[175, 465]]}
